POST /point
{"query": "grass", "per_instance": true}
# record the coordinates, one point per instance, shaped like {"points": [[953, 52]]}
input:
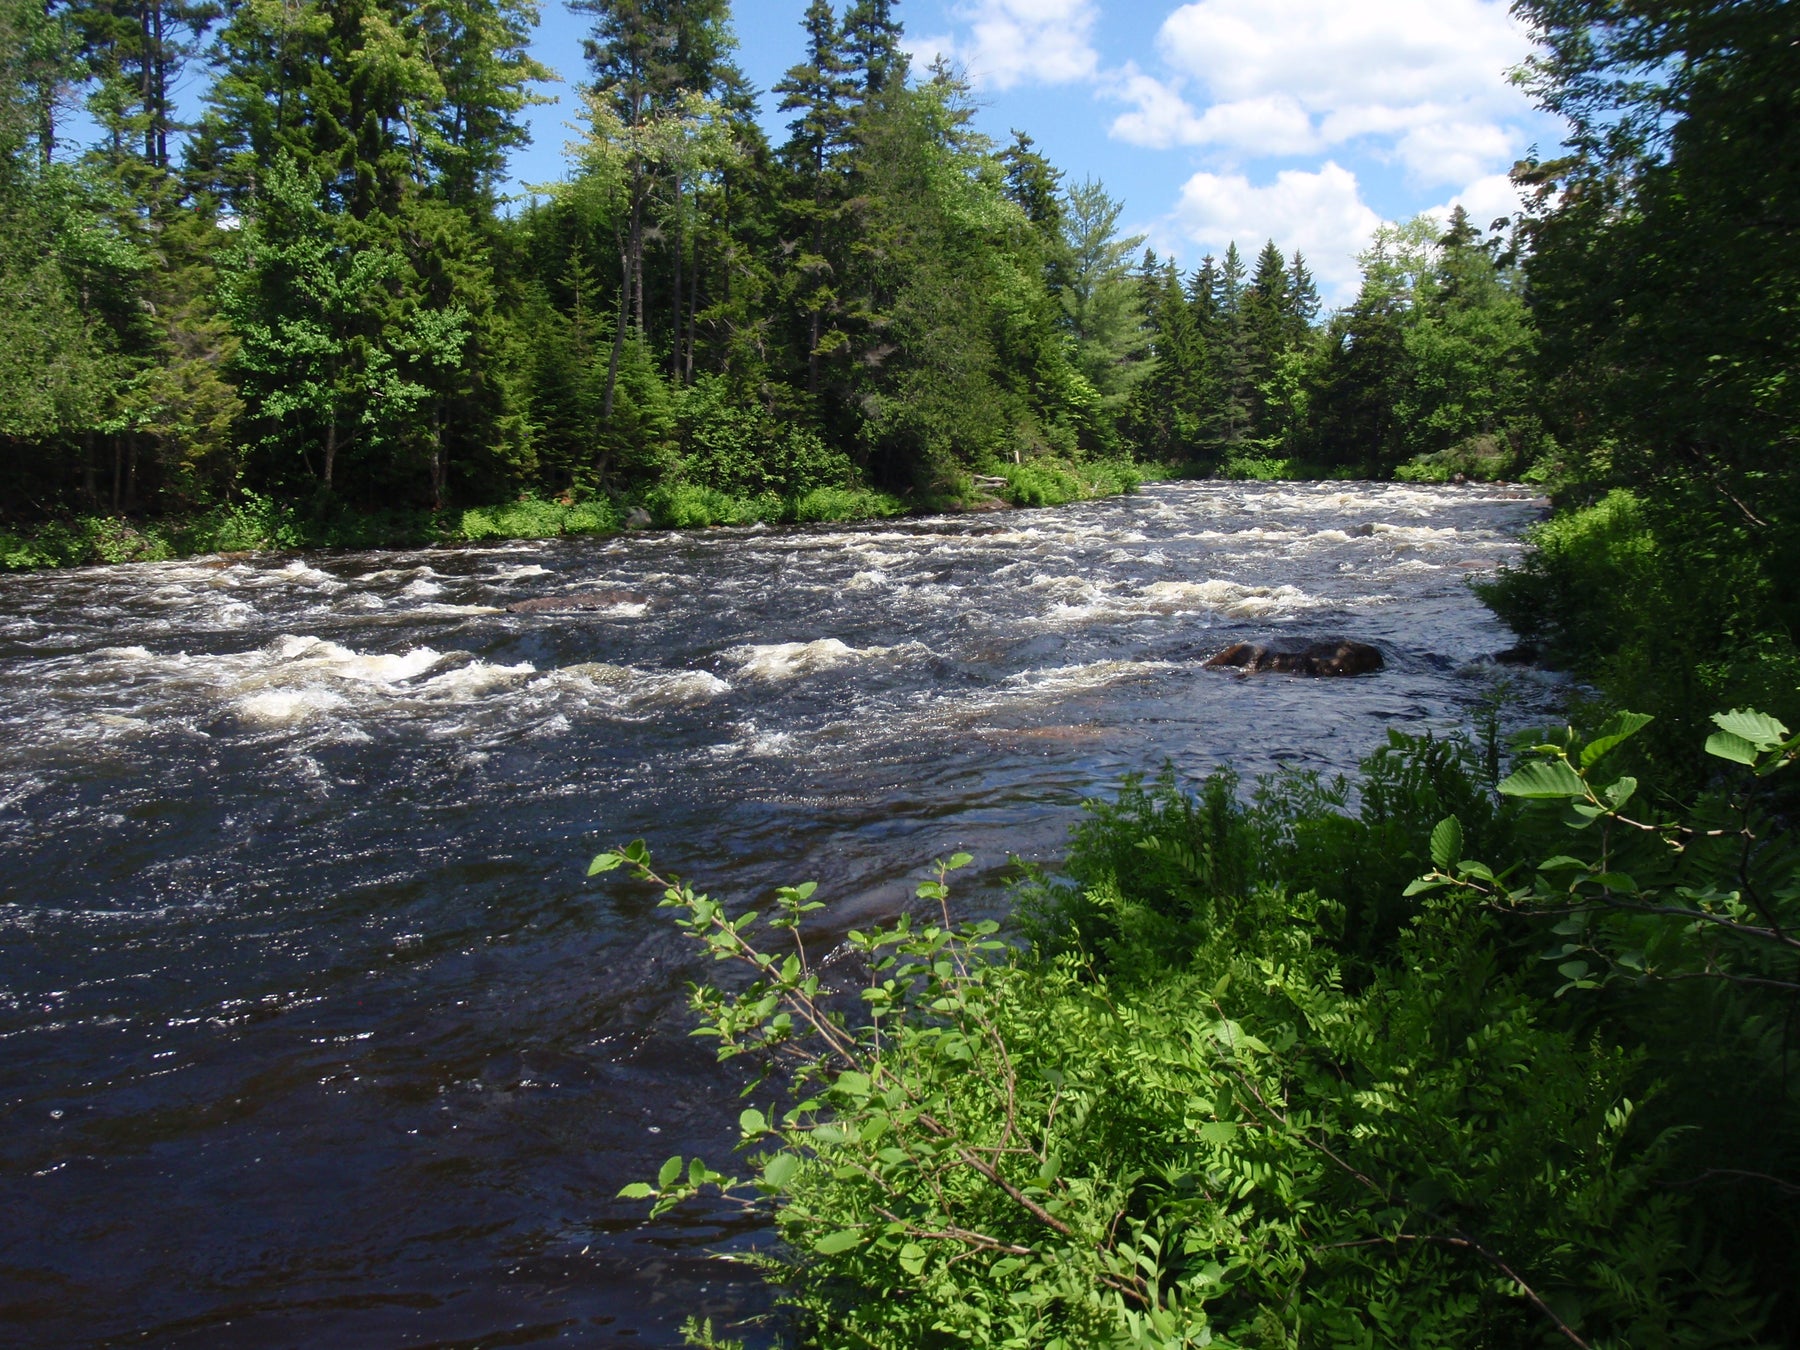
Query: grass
{"points": [[258, 524]]}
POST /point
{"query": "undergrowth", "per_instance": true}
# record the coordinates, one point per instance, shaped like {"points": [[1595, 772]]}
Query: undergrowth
{"points": [[1431, 1060]]}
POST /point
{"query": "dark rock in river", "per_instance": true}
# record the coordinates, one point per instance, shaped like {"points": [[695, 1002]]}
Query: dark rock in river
{"points": [[570, 604], [1362, 531], [1522, 655], [1316, 658]]}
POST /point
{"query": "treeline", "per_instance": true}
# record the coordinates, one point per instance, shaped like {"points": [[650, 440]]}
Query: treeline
{"points": [[1428, 373], [313, 291]]}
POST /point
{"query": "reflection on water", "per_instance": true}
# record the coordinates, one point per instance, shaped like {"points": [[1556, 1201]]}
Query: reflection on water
{"points": [[312, 1031]]}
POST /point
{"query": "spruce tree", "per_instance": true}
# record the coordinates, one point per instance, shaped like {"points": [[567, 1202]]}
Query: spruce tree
{"points": [[819, 90], [872, 42]]}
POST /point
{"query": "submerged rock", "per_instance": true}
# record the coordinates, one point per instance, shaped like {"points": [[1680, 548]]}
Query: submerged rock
{"points": [[570, 604], [1315, 658]]}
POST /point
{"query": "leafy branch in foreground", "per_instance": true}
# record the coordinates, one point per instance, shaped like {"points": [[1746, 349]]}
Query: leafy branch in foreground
{"points": [[1270, 1137], [1712, 896]]}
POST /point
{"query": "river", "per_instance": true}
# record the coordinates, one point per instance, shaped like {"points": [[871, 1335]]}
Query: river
{"points": [[313, 1031]]}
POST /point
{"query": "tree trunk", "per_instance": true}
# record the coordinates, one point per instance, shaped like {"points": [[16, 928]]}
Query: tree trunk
{"points": [[131, 462], [687, 369], [118, 472], [675, 290], [637, 252], [331, 448], [612, 369], [437, 455], [90, 486]]}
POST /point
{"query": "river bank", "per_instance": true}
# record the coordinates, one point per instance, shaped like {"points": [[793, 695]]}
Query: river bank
{"points": [[255, 524]]}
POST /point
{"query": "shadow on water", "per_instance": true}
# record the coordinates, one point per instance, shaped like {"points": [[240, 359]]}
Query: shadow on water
{"points": [[312, 1031]]}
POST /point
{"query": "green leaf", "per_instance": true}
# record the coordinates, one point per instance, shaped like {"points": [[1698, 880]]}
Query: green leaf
{"points": [[752, 1123], [1218, 1131], [1545, 780], [1620, 728], [1621, 792], [853, 1083], [1422, 885], [779, 1170], [1447, 843], [841, 1241], [912, 1258], [1573, 970], [1729, 745], [604, 862], [671, 1170], [960, 860], [638, 1190], [1761, 730], [1562, 862]]}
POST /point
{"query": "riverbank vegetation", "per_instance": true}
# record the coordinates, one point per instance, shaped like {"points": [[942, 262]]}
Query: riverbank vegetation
{"points": [[1440, 1061], [306, 301]]}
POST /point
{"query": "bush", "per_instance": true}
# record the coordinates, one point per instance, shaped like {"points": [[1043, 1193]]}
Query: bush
{"points": [[840, 504], [687, 506], [85, 539], [748, 453], [1480, 459], [1667, 609], [1049, 482], [535, 518], [1209, 1110]]}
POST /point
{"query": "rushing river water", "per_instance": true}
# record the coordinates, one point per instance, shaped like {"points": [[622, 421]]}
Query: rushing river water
{"points": [[313, 1032]]}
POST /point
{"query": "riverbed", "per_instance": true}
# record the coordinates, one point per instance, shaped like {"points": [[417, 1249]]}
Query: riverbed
{"points": [[313, 1031]]}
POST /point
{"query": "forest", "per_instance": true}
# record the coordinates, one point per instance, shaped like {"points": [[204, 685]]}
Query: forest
{"points": [[305, 310]]}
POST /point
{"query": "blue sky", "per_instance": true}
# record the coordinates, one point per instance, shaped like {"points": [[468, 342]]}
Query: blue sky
{"points": [[1305, 121]]}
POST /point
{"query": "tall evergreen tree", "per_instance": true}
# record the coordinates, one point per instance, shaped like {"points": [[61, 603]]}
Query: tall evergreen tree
{"points": [[820, 91], [872, 41]]}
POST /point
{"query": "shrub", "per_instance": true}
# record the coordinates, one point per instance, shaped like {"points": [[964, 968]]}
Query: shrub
{"points": [[535, 518], [840, 504], [1229, 1119]]}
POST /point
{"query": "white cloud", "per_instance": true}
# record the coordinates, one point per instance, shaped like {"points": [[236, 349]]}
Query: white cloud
{"points": [[1334, 53], [1273, 125], [1014, 42], [1322, 214], [1486, 200], [1427, 78]]}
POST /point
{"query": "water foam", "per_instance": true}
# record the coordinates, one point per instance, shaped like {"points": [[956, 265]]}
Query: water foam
{"points": [[786, 660]]}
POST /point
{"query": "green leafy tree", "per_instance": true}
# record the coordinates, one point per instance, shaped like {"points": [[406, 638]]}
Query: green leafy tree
{"points": [[1101, 301]]}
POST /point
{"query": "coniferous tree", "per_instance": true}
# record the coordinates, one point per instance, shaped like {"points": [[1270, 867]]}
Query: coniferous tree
{"points": [[872, 41], [819, 90]]}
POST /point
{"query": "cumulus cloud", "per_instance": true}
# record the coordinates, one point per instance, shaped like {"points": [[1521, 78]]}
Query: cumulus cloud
{"points": [[1487, 199], [1424, 78], [1014, 42], [1322, 214]]}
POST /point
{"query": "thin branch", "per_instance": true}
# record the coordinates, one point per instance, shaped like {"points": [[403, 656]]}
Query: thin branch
{"points": [[1469, 1244]]}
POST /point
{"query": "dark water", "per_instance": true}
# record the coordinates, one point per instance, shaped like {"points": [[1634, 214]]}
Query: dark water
{"points": [[312, 1031]]}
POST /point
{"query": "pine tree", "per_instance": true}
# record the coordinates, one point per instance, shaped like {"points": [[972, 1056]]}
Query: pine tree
{"points": [[872, 42], [819, 90]]}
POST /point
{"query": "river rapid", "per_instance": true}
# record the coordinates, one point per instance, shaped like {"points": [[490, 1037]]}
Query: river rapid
{"points": [[313, 1031]]}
